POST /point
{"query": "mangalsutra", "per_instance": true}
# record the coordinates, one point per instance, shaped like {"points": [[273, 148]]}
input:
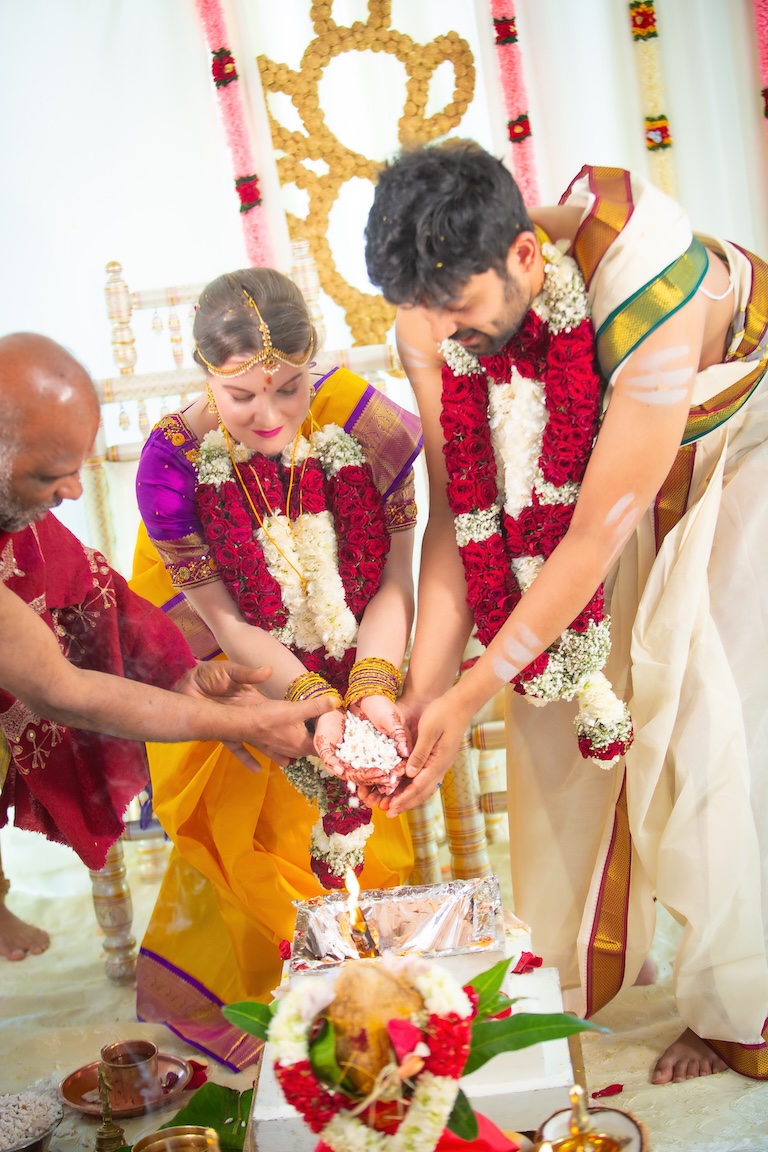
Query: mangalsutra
{"points": [[267, 505]]}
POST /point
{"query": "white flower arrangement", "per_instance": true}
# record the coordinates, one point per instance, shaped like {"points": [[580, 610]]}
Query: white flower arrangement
{"points": [[340, 851], [479, 525], [336, 449], [214, 465], [563, 303]]}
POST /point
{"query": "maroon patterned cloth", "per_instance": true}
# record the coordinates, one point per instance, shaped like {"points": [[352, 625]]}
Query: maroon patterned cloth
{"points": [[72, 785]]}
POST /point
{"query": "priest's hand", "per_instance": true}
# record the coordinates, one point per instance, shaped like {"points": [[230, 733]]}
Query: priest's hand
{"points": [[222, 680]]}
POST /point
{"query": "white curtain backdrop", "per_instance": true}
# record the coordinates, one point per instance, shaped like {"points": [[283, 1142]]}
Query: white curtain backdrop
{"points": [[112, 147]]}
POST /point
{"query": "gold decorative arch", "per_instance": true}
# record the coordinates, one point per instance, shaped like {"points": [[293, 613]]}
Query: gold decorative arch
{"points": [[369, 316]]}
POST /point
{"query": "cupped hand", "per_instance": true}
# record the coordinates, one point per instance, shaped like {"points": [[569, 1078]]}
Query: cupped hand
{"points": [[441, 730], [385, 715], [329, 733]]}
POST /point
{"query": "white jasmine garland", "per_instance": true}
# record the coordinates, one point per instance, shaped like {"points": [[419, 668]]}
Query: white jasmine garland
{"points": [[428, 1112], [517, 417]]}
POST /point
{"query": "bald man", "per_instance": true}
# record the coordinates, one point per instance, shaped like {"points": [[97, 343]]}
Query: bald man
{"points": [[87, 667]]}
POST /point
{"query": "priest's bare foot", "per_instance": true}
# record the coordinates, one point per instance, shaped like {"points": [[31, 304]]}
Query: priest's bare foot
{"points": [[686, 1059], [19, 940], [647, 973]]}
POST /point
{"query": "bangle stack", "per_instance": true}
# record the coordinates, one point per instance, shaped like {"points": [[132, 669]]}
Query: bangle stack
{"points": [[373, 676], [307, 686]]}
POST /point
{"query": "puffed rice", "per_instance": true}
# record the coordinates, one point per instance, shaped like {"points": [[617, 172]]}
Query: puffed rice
{"points": [[364, 746], [24, 1116]]}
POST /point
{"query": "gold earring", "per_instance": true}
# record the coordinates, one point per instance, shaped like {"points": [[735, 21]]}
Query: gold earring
{"points": [[211, 399]]}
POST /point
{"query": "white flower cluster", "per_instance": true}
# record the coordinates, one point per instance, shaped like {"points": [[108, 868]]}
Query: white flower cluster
{"points": [[479, 525], [340, 851], [602, 718], [458, 358], [364, 746], [213, 462], [420, 1130], [306, 775], [441, 992], [336, 449], [562, 303], [573, 660], [517, 416], [25, 1115]]}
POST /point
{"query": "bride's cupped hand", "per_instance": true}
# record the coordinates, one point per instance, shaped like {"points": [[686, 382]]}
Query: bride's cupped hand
{"points": [[329, 733]]}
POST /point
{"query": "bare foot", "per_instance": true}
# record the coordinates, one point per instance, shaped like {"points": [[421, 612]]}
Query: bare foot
{"points": [[647, 973], [686, 1059], [17, 939]]}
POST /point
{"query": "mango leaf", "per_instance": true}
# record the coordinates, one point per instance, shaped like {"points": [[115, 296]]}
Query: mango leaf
{"points": [[492, 1037], [487, 985], [462, 1120], [322, 1057], [224, 1109], [249, 1016]]}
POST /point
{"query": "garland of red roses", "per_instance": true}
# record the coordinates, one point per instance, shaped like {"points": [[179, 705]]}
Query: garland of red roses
{"points": [[564, 363], [449, 1038], [229, 525]]}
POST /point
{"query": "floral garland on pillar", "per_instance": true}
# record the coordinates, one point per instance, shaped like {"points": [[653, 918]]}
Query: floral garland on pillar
{"points": [[304, 569], [761, 27], [519, 428], [515, 97], [658, 140], [225, 77]]}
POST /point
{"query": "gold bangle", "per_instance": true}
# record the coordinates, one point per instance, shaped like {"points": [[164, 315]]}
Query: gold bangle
{"points": [[307, 686], [373, 676]]}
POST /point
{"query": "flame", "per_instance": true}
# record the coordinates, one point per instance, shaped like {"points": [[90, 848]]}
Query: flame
{"points": [[352, 885]]}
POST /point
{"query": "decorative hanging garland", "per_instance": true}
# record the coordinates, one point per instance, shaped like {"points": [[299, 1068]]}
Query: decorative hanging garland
{"points": [[519, 428], [515, 98], [761, 27], [658, 139], [225, 77]]}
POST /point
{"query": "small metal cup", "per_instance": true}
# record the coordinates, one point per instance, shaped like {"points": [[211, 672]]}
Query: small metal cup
{"points": [[185, 1138], [132, 1070]]}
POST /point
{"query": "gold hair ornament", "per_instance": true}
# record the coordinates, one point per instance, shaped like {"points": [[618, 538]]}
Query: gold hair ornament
{"points": [[269, 357]]}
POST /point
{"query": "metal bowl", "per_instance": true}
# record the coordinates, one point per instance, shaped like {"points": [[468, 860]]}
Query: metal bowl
{"points": [[183, 1138], [39, 1143]]}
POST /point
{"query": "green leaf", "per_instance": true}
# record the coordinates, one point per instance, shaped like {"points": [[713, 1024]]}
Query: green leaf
{"points": [[462, 1120], [322, 1057], [492, 1037], [487, 985], [224, 1109], [249, 1016]]}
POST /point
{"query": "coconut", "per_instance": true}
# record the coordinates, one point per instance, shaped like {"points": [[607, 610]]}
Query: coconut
{"points": [[367, 996]]}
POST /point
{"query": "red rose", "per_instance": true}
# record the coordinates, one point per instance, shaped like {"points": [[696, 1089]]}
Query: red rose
{"points": [[346, 821]]}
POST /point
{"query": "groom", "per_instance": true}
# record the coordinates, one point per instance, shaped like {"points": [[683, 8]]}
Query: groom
{"points": [[681, 342]]}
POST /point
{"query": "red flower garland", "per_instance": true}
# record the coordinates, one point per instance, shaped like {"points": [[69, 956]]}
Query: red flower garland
{"points": [[564, 363], [449, 1039]]}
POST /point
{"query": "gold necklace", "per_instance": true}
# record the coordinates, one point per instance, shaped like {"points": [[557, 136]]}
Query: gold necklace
{"points": [[259, 518]]}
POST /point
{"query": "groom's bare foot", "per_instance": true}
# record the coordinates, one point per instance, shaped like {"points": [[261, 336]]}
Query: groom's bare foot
{"points": [[17, 939], [686, 1059]]}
